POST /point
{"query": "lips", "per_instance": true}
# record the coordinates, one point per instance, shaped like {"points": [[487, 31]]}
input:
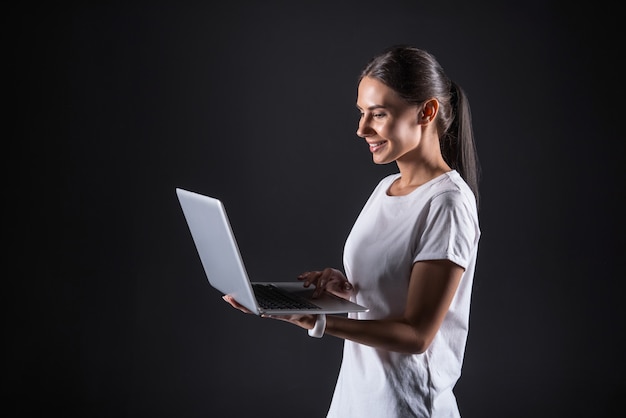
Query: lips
{"points": [[376, 146]]}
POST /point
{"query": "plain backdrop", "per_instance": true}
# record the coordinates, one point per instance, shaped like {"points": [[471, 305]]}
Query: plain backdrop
{"points": [[114, 105]]}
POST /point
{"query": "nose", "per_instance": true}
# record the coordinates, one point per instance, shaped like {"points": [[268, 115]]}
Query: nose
{"points": [[364, 129]]}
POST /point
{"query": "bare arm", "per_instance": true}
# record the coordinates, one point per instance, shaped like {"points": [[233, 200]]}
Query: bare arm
{"points": [[431, 289]]}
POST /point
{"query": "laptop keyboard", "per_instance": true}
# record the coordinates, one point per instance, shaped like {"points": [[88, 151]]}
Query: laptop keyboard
{"points": [[271, 297]]}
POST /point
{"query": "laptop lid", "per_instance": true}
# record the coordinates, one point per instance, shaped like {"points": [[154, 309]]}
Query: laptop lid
{"points": [[216, 246], [223, 264]]}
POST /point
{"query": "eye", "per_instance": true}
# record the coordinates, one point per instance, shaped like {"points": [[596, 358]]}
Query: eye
{"points": [[379, 115]]}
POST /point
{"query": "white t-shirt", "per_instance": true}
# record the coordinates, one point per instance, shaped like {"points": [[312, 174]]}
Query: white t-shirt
{"points": [[438, 220]]}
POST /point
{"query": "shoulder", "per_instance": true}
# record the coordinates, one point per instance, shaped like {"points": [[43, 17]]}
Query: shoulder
{"points": [[452, 199], [453, 190]]}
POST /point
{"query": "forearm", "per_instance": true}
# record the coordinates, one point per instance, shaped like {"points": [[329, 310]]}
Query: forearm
{"points": [[392, 335]]}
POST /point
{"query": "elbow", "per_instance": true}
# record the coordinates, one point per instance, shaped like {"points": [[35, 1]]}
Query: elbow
{"points": [[420, 346], [419, 343]]}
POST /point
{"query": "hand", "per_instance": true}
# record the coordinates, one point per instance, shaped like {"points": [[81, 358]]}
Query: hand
{"points": [[330, 280], [235, 304], [304, 321]]}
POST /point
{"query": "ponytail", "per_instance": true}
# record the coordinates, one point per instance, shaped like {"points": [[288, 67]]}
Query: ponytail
{"points": [[457, 143]]}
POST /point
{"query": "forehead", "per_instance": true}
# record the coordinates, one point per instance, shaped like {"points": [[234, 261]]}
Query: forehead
{"points": [[372, 92]]}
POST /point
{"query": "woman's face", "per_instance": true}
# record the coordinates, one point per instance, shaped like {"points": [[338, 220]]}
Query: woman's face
{"points": [[388, 123]]}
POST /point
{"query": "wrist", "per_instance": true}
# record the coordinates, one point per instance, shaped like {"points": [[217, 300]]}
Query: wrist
{"points": [[320, 326]]}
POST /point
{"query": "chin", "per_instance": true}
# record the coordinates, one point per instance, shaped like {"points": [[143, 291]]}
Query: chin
{"points": [[380, 161]]}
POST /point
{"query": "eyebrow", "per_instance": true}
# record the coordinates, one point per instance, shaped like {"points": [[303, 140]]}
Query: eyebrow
{"points": [[373, 107]]}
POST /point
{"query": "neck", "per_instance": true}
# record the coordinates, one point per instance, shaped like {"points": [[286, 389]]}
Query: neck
{"points": [[417, 168], [413, 175]]}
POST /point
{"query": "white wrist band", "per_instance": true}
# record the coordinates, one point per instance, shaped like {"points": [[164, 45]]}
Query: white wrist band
{"points": [[320, 326]]}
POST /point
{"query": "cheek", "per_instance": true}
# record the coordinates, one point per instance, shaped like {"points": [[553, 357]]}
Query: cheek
{"points": [[408, 132], [399, 132], [408, 129], [390, 129]]}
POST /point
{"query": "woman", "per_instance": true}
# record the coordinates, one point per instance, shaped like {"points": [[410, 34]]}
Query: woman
{"points": [[411, 254]]}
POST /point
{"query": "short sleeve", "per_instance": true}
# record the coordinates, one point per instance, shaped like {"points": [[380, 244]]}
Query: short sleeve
{"points": [[450, 230]]}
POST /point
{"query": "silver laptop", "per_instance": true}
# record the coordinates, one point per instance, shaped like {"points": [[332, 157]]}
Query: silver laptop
{"points": [[224, 268]]}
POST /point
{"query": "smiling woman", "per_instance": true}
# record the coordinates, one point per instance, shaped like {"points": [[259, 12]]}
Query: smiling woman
{"points": [[397, 105], [390, 124], [411, 254]]}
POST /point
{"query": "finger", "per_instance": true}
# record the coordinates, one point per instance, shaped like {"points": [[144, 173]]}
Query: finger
{"points": [[311, 277], [322, 282], [235, 304], [305, 277]]}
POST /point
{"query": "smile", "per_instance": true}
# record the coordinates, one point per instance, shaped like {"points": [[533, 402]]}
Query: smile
{"points": [[375, 146]]}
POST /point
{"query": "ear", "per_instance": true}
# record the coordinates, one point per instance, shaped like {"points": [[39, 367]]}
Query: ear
{"points": [[429, 111]]}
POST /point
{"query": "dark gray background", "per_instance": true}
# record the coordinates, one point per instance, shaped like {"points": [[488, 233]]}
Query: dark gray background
{"points": [[112, 107]]}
